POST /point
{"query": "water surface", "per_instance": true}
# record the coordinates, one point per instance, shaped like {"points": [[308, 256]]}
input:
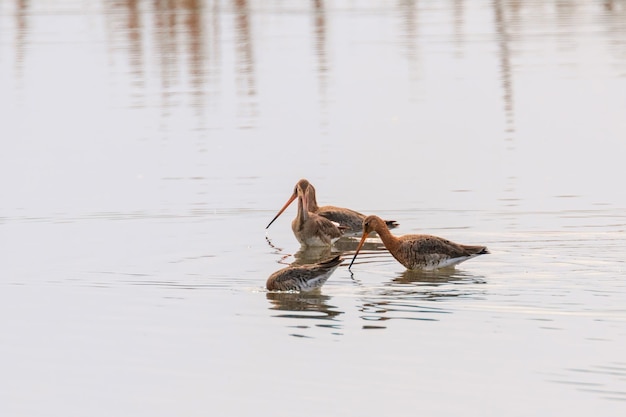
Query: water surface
{"points": [[146, 145]]}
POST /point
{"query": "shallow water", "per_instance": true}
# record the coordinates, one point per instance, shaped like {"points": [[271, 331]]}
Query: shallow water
{"points": [[146, 145]]}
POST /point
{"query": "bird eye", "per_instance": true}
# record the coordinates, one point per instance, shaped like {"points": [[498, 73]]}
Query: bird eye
{"points": [[366, 224]]}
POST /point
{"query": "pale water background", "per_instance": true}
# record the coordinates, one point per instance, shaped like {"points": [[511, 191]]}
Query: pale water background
{"points": [[146, 144]]}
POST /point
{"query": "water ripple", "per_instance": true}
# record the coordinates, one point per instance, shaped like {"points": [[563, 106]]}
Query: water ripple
{"points": [[607, 380]]}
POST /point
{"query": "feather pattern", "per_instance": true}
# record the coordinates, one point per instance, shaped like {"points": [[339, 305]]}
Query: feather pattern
{"points": [[311, 229], [303, 277], [419, 251], [350, 220]]}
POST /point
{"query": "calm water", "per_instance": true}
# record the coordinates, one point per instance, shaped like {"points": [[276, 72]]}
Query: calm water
{"points": [[145, 146]]}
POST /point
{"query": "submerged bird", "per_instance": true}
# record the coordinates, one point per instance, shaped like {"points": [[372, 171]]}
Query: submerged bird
{"points": [[311, 229], [351, 219], [302, 277], [419, 251]]}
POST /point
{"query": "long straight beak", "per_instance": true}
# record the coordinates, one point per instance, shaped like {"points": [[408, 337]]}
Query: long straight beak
{"points": [[293, 197], [358, 248]]}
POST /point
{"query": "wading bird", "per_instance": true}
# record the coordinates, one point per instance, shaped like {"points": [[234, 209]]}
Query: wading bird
{"points": [[418, 251], [302, 277], [352, 220], [309, 228]]}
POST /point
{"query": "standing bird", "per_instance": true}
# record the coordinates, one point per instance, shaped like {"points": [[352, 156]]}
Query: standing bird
{"points": [[419, 251], [302, 277], [309, 228], [352, 220]]}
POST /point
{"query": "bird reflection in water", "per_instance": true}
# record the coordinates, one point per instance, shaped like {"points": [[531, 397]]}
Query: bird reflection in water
{"points": [[410, 295], [307, 255], [303, 307], [346, 246], [436, 278], [350, 245], [310, 304]]}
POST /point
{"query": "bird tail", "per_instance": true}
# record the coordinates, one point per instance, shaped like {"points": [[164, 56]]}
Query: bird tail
{"points": [[392, 224]]}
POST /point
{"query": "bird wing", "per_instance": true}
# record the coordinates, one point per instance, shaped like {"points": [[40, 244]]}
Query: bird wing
{"points": [[325, 229], [345, 217], [433, 245], [303, 277]]}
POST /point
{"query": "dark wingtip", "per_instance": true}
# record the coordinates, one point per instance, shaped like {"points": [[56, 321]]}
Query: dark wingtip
{"points": [[484, 251], [392, 224]]}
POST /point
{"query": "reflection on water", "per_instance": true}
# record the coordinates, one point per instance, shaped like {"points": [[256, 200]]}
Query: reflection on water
{"points": [[403, 297], [21, 33], [599, 380], [125, 33], [319, 18], [502, 29], [310, 255], [373, 251], [303, 307], [349, 245], [372, 248], [307, 304], [403, 307], [142, 141], [407, 296], [179, 41], [305, 254], [245, 64], [187, 40], [437, 277]]}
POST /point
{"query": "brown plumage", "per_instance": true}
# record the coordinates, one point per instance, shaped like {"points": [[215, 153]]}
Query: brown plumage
{"points": [[302, 277], [309, 228], [419, 251], [352, 220]]}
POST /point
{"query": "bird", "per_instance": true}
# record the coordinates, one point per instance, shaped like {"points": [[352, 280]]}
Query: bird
{"points": [[424, 252], [309, 228], [352, 220], [303, 277]]}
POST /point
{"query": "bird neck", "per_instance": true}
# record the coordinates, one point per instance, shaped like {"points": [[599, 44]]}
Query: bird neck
{"points": [[388, 239], [302, 214], [311, 200]]}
